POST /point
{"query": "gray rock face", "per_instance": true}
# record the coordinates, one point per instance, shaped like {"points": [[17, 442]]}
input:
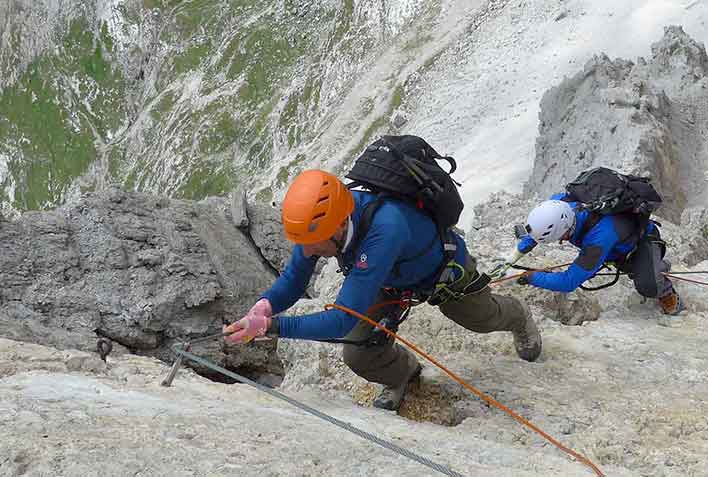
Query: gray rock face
{"points": [[239, 208], [68, 413], [141, 270], [266, 229], [576, 309], [647, 117], [694, 230]]}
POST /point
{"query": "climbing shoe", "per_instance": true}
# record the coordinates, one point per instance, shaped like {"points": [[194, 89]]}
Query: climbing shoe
{"points": [[390, 398], [671, 304], [527, 340]]}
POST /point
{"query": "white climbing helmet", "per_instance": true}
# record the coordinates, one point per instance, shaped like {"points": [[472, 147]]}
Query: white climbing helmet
{"points": [[550, 220]]}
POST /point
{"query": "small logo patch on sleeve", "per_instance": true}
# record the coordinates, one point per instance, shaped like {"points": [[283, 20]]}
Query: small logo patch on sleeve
{"points": [[361, 263]]}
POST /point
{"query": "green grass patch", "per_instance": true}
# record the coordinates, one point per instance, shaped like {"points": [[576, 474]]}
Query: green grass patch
{"points": [[397, 99], [192, 57], [292, 169], [265, 195], [205, 181], [163, 107], [48, 127], [222, 135], [52, 153]]}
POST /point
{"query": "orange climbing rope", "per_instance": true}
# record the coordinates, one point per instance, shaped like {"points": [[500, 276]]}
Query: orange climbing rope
{"points": [[471, 388], [517, 275], [671, 275]]}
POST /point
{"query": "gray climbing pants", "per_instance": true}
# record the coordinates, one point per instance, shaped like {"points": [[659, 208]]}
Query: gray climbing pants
{"points": [[391, 364], [646, 266]]}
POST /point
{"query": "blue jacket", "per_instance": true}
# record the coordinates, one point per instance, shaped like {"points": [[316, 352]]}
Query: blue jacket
{"points": [[611, 239], [398, 231]]}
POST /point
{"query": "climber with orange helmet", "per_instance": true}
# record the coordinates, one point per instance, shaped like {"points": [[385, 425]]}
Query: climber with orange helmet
{"points": [[400, 252]]}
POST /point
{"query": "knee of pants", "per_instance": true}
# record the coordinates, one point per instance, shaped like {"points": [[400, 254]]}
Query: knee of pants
{"points": [[350, 355], [360, 357], [486, 312]]}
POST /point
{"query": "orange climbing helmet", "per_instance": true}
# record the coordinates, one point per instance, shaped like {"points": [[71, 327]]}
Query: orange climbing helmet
{"points": [[316, 204]]}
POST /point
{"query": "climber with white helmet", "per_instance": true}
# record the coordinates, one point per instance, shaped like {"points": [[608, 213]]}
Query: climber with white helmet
{"points": [[633, 246]]}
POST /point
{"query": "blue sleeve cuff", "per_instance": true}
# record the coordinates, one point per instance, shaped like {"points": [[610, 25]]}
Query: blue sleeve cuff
{"points": [[564, 282], [278, 303], [323, 325]]}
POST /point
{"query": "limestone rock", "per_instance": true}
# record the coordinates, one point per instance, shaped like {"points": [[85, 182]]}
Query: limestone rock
{"points": [[645, 118], [239, 208], [266, 229], [144, 271]]}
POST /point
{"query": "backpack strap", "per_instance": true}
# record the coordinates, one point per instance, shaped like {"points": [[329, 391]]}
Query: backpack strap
{"points": [[449, 251], [643, 222], [592, 220]]}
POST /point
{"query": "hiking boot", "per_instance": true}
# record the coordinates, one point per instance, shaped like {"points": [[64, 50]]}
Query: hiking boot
{"points": [[671, 304], [390, 398], [527, 341]]}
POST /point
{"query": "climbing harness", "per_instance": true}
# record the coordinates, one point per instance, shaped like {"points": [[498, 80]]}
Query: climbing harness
{"points": [[448, 287], [451, 288], [182, 353], [471, 388]]}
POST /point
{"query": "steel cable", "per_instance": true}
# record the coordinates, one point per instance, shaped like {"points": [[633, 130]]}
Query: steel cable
{"points": [[304, 407]]}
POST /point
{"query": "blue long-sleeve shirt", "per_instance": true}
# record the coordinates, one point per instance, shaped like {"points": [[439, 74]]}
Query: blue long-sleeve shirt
{"points": [[398, 231], [611, 239]]}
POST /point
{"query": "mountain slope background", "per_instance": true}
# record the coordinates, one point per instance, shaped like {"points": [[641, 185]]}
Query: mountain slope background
{"points": [[189, 98]]}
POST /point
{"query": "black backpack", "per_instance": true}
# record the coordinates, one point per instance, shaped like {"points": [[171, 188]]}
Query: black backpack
{"points": [[603, 191], [406, 168]]}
